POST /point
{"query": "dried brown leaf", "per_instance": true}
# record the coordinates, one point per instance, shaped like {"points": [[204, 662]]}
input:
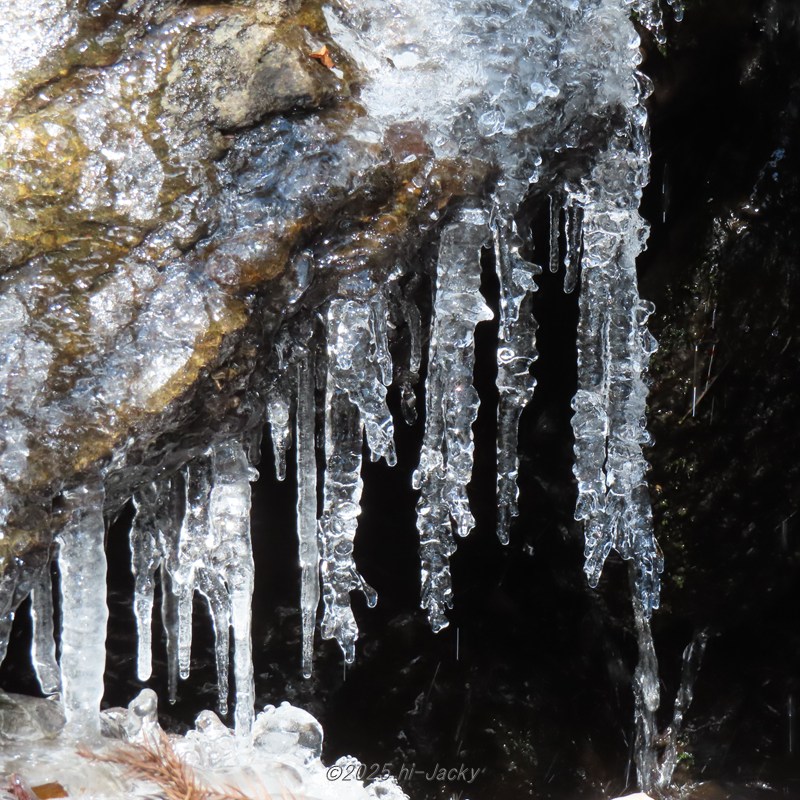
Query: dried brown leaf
{"points": [[323, 56], [156, 762]]}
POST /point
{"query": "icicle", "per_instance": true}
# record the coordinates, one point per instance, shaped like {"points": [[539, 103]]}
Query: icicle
{"points": [[409, 376], [232, 562], [614, 347], [212, 586], [445, 466], [209, 552], [308, 544], [24, 577], [555, 232], [355, 404], [194, 546], [342, 494], [646, 698], [380, 340], [169, 619], [516, 352], [357, 365], [650, 16], [155, 549], [145, 561], [280, 425], [10, 598], [573, 215], [84, 613], [692, 660], [43, 648]]}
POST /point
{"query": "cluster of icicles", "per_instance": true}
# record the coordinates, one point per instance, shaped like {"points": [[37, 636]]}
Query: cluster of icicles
{"points": [[191, 530]]}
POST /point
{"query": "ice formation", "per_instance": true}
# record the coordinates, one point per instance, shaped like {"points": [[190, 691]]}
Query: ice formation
{"points": [[283, 759], [451, 406], [194, 529], [509, 84]]}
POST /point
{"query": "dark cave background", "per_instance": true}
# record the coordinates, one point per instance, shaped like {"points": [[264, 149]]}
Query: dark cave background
{"points": [[531, 681]]}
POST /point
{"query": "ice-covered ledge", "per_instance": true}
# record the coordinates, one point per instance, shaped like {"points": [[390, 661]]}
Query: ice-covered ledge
{"points": [[135, 756], [208, 763]]}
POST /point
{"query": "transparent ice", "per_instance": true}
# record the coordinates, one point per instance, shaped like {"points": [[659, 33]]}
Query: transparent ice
{"points": [[355, 406], [194, 530], [511, 84], [451, 406]]}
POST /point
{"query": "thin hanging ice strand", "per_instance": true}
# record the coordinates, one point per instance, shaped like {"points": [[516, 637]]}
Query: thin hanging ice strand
{"points": [[308, 544], [84, 612], [146, 558], [355, 404], [195, 542], [279, 405], [232, 567], [31, 577], [646, 700], [445, 466], [43, 645], [573, 228], [516, 351], [171, 502], [614, 347], [412, 319], [555, 232], [692, 660]]}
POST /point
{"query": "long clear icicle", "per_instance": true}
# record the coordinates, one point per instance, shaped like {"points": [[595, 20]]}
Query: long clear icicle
{"points": [[555, 233], [609, 422], [195, 543], [160, 509], [445, 466], [43, 646], [516, 351], [646, 700], [355, 405], [146, 558], [194, 530], [84, 611], [308, 544], [31, 577], [232, 567]]}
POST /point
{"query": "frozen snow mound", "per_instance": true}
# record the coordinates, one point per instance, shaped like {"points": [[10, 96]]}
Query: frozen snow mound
{"points": [[135, 758]]}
